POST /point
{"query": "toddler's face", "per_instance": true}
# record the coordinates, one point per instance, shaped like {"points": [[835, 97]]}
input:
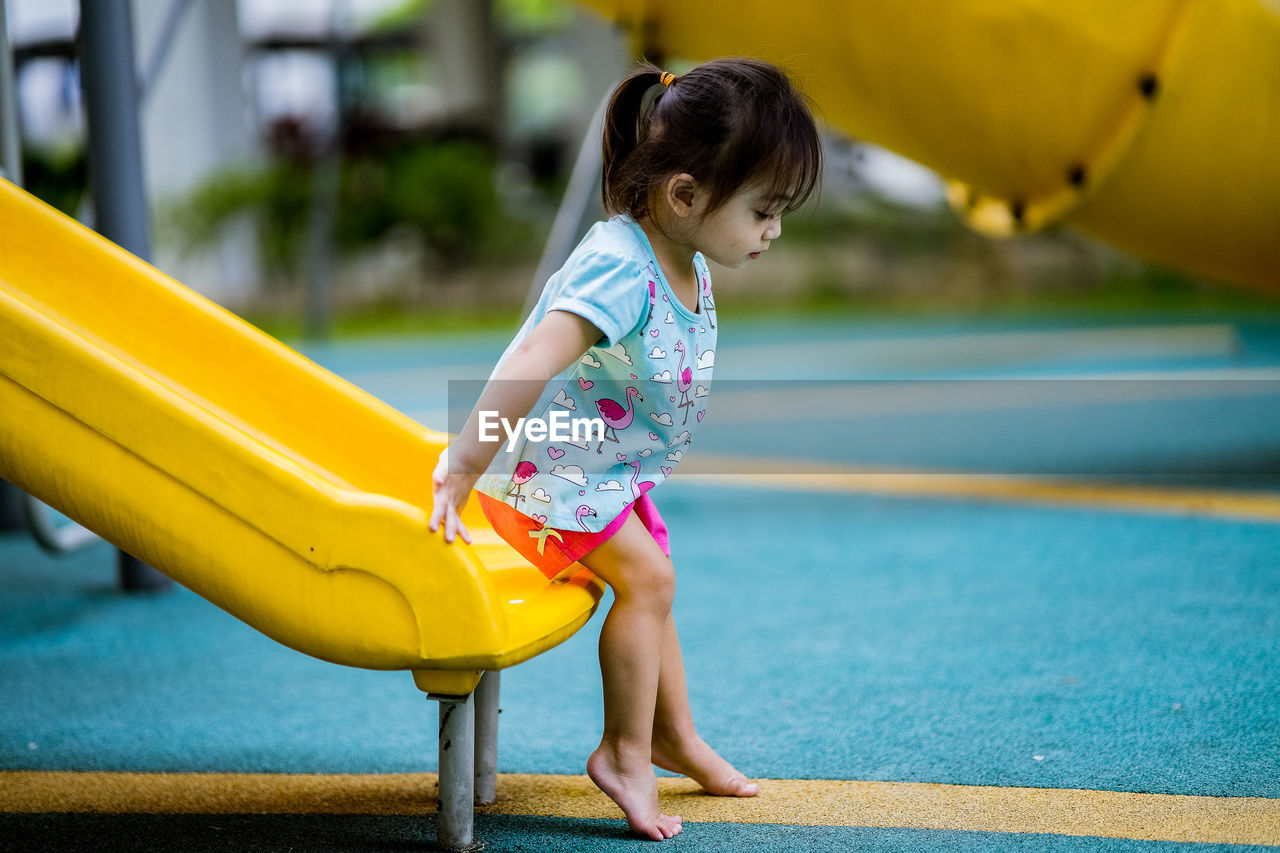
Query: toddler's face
{"points": [[740, 230]]}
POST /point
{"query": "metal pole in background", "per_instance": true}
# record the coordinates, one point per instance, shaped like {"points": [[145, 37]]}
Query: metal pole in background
{"points": [[10, 139], [109, 82], [11, 169], [110, 87]]}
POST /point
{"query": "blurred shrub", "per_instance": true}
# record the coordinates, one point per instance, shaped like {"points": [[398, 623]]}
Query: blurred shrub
{"points": [[442, 191], [445, 191], [59, 175]]}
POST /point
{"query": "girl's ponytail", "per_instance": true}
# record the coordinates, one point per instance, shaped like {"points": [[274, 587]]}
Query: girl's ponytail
{"points": [[625, 127]]}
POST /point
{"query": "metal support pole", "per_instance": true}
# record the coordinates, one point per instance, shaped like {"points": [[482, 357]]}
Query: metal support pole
{"points": [[11, 170], [110, 85], [10, 137], [455, 825], [487, 710], [11, 505]]}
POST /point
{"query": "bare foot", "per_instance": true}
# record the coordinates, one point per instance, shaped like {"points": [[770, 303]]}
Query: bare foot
{"points": [[692, 757], [635, 792]]}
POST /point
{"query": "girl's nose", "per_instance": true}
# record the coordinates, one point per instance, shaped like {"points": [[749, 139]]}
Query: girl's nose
{"points": [[774, 231]]}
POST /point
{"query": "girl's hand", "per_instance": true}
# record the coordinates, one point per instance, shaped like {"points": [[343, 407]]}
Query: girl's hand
{"points": [[558, 341], [450, 493]]}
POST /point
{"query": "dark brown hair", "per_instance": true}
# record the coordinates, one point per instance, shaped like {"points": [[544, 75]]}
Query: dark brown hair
{"points": [[729, 123]]}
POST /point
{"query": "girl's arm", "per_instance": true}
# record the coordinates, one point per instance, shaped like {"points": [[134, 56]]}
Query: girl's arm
{"points": [[556, 342]]}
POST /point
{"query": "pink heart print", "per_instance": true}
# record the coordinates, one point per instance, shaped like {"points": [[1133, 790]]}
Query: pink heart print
{"points": [[653, 333], [555, 452], [653, 435], [666, 472], [700, 414], [586, 383], [541, 519], [622, 457]]}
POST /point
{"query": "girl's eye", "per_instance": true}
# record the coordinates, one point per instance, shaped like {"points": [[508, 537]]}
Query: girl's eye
{"points": [[763, 215]]}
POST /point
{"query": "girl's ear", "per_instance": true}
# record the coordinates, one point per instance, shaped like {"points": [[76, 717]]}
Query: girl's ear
{"points": [[682, 194]]}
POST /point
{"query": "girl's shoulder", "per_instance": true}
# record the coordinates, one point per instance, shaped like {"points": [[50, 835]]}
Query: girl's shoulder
{"points": [[619, 238], [604, 279]]}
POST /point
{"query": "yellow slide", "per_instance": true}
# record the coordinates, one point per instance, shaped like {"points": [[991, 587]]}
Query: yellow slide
{"points": [[1153, 125], [266, 484]]}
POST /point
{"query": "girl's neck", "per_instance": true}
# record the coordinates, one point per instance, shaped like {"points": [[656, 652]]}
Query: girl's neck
{"points": [[674, 257]]}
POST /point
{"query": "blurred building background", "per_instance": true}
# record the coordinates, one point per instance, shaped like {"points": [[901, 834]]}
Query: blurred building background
{"points": [[397, 164]]}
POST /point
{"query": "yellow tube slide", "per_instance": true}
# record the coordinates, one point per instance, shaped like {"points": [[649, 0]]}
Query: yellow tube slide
{"points": [[266, 484], [1153, 125]]}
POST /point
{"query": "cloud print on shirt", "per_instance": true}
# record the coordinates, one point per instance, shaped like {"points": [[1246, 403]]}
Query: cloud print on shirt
{"points": [[563, 399], [664, 376], [707, 359], [572, 473], [664, 418], [619, 352]]}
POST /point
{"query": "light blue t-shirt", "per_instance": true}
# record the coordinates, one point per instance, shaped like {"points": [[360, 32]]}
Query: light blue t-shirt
{"points": [[646, 382]]}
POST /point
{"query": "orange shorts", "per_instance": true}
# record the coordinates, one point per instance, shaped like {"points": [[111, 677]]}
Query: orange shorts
{"points": [[551, 549]]}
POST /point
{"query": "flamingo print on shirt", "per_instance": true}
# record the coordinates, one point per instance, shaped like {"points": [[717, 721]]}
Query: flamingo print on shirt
{"points": [[638, 486], [653, 300], [706, 301], [525, 472], [684, 379], [615, 417]]}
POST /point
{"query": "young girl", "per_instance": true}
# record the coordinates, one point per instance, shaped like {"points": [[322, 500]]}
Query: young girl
{"points": [[698, 166]]}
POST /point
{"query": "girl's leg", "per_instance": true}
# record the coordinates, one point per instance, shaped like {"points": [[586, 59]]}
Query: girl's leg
{"points": [[676, 744], [643, 584]]}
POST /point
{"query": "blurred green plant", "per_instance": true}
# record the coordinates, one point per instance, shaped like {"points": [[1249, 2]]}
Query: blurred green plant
{"points": [[442, 191], [515, 17], [57, 175]]}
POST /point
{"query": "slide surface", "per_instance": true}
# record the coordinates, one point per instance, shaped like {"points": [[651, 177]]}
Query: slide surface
{"points": [[1153, 126], [275, 489]]}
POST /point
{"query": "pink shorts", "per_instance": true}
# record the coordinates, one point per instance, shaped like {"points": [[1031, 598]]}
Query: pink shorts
{"points": [[561, 548]]}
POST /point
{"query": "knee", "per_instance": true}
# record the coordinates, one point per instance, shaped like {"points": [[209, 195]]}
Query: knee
{"points": [[651, 583]]}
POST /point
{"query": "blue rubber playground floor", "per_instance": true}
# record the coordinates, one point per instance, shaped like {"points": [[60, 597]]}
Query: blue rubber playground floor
{"points": [[944, 586]]}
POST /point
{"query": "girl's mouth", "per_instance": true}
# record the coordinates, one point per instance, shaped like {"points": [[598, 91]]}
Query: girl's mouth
{"points": [[754, 255]]}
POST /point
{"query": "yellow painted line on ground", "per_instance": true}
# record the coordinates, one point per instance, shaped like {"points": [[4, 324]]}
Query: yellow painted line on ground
{"points": [[1107, 814], [800, 475]]}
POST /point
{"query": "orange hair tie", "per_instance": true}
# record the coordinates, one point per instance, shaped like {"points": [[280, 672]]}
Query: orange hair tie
{"points": [[667, 79]]}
